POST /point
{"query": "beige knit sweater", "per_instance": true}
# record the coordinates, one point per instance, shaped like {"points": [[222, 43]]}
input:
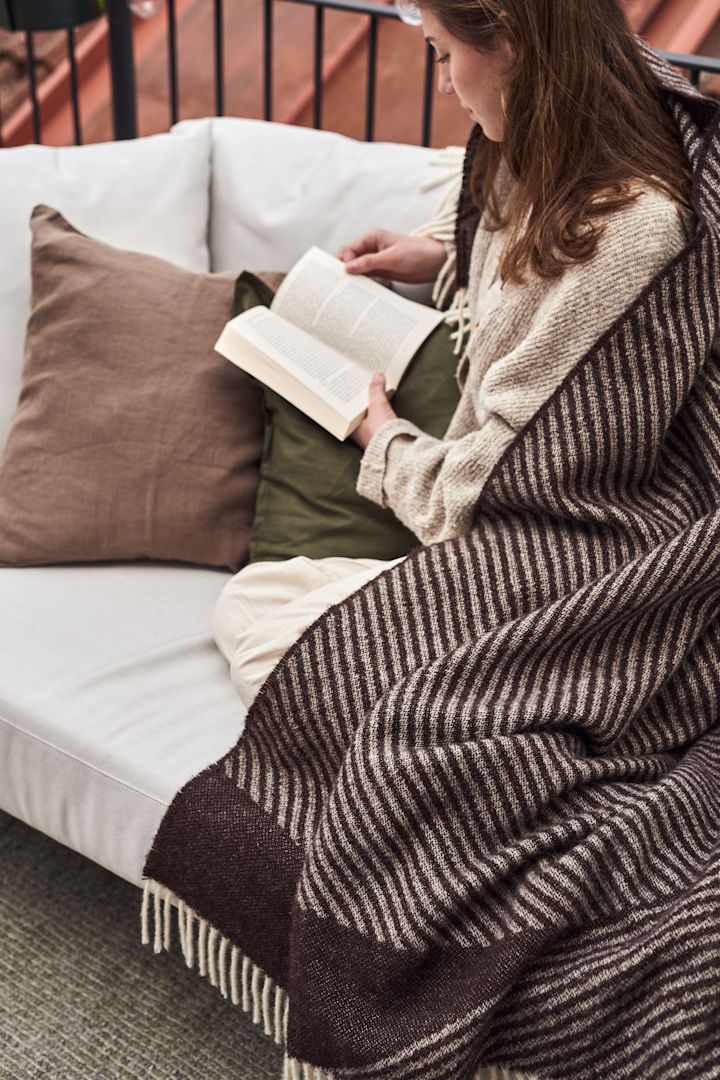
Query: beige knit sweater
{"points": [[523, 341]]}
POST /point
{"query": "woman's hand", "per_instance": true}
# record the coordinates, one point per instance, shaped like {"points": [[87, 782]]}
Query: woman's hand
{"points": [[384, 254], [379, 410]]}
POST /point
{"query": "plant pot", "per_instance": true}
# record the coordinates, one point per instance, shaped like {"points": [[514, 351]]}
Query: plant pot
{"points": [[48, 14]]}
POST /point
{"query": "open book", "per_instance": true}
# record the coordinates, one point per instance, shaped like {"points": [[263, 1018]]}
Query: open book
{"points": [[324, 335]]}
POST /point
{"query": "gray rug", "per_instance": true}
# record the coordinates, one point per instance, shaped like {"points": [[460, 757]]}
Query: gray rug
{"points": [[82, 999]]}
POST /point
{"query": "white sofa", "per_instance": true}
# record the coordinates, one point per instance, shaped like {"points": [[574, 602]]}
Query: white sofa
{"points": [[112, 691]]}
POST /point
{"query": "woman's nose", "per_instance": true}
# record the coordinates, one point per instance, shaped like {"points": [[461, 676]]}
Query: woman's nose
{"points": [[445, 85]]}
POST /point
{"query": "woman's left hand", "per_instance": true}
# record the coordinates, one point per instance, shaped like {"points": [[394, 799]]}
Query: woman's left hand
{"points": [[379, 411]]}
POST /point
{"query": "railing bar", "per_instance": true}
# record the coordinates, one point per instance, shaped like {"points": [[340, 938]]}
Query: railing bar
{"points": [[428, 96], [267, 74], [74, 85], [318, 59], [1, 127], [172, 61], [359, 7], [219, 60], [122, 70], [371, 80], [691, 62], [33, 85]]}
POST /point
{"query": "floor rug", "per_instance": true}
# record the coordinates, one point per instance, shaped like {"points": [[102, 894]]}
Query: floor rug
{"points": [[81, 999]]}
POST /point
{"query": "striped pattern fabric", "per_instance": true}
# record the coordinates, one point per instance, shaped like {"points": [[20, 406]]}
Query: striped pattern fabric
{"points": [[472, 827]]}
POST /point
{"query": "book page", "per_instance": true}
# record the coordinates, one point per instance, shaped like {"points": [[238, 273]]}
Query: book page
{"points": [[316, 364], [355, 316]]}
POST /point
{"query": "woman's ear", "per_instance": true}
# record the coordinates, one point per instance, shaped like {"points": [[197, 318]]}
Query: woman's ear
{"points": [[505, 37], [506, 50]]}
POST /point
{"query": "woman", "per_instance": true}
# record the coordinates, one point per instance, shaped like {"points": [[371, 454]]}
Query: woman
{"points": [[575, 194]]}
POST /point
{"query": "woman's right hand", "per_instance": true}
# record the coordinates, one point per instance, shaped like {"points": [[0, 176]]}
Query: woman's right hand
{"points": [[391, 255]]}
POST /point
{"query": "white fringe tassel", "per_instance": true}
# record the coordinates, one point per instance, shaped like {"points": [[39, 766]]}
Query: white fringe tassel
{"points": [[298, 1070], [442, 227], [249, 986], [267, 1002]]}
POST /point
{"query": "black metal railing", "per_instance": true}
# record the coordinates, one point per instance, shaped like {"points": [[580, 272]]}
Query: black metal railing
{"points": [[374, 12], [123, 69]]}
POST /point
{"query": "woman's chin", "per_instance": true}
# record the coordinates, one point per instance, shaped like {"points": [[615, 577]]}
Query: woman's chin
{"points": [[490, 134]]}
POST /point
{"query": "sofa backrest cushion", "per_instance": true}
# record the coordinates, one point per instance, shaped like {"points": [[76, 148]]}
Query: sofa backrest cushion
{"points": [[148, 195], [277, 189]]}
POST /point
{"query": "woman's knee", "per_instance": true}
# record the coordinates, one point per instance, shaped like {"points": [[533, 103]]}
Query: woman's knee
{"points": [[258, 591], [230, 618], [246, 688]]}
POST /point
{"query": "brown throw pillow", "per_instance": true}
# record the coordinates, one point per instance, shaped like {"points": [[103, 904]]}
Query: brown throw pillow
{"points": [[133, 438]]}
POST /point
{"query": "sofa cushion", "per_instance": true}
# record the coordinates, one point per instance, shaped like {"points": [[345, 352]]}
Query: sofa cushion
{"points": [[112, 695], [148, 194], [307, 503], [133, 438], [277, 189], [99, 731]]}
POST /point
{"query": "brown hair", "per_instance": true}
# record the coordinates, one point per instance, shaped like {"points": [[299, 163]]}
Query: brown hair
{"points": [[582, 96]]}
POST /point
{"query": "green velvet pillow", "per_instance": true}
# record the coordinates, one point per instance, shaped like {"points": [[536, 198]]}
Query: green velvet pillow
{"points": [[306, 501]]}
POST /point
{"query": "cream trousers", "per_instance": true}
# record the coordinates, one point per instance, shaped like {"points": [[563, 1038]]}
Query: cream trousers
{"points": [[266, 606]]}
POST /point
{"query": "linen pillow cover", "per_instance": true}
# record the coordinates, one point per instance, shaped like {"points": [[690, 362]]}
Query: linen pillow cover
{"points": [[131, 439], [306, 502]]}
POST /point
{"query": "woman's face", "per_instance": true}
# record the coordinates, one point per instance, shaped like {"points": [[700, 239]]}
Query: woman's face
{"points": [[477, 79]]}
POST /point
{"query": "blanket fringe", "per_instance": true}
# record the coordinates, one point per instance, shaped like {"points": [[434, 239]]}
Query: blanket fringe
{"points": [[299, 1070], [242, 981], [442, 227], [233, 973]]}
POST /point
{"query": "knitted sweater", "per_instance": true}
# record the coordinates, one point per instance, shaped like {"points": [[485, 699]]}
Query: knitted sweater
{"points": [[523, 341]]}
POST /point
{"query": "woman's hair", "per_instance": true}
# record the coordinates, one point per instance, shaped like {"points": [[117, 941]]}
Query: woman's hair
{"points": [[584, 117]]}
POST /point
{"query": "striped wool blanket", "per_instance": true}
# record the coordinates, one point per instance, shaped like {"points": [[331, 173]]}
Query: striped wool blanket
{"points": [[473, 821]]}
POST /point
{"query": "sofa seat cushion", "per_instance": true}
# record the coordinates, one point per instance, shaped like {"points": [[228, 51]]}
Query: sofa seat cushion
{"points": [[113, 695]]}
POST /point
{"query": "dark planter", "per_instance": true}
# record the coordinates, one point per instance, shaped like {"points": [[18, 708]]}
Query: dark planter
{"points": [[48, 14]]}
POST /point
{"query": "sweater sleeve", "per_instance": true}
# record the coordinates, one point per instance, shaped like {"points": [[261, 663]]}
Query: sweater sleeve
{"points": [[531, 338], [431, 484]]}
